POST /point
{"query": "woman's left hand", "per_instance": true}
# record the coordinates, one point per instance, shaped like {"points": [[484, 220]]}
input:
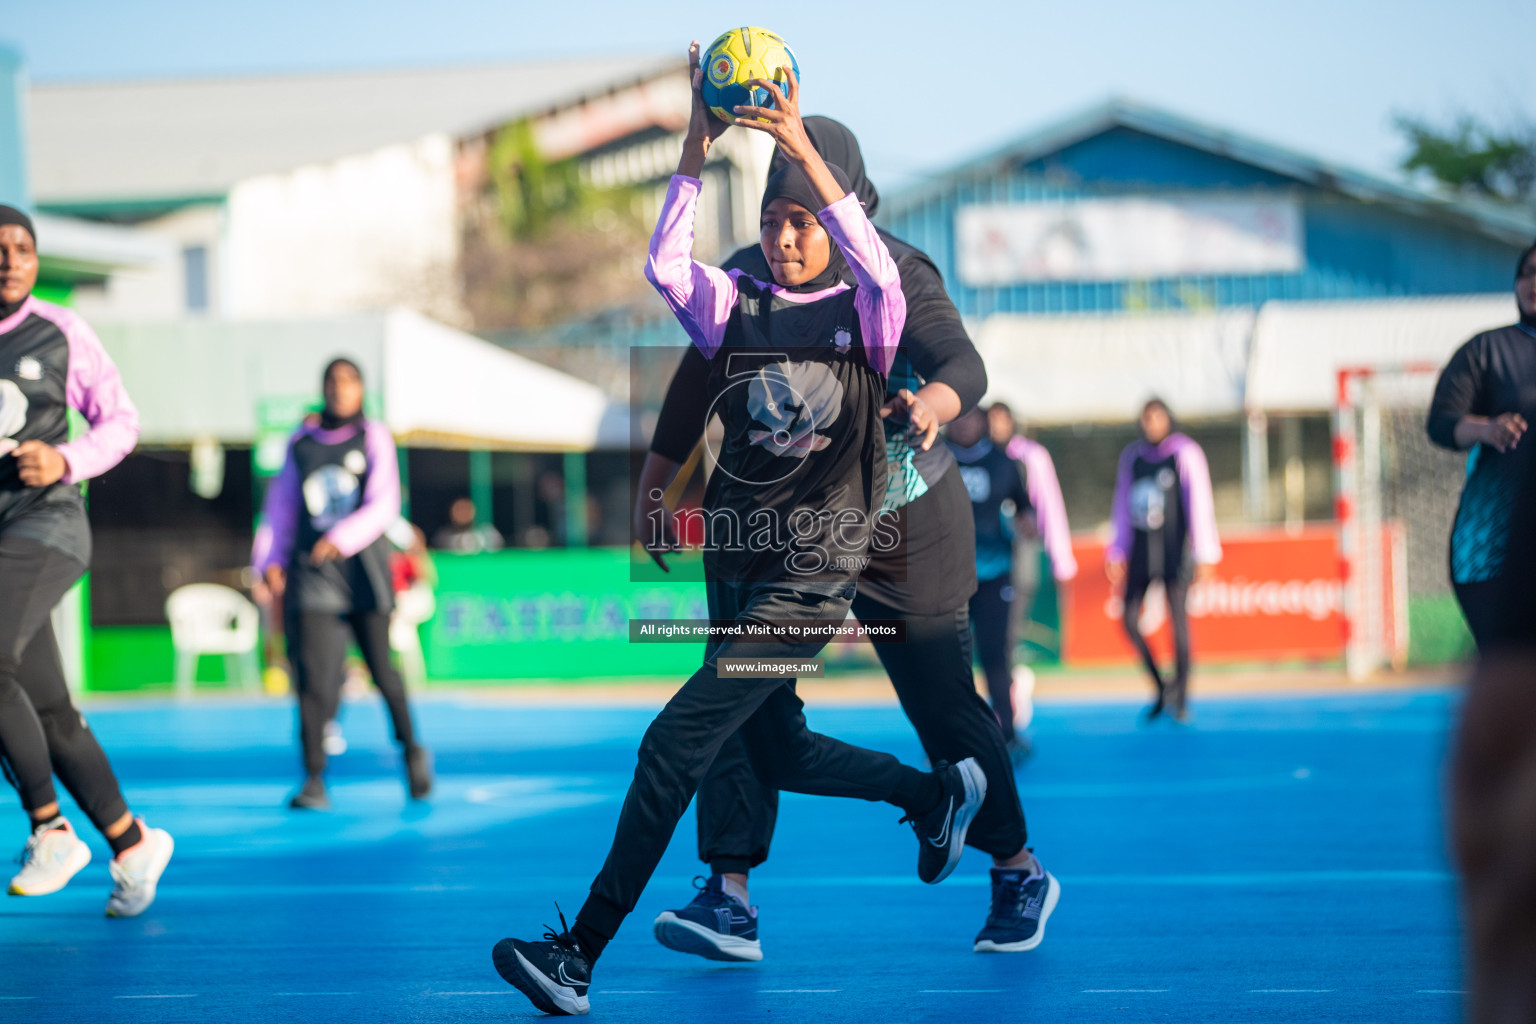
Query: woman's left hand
{"points": [[782, 120], [922, 421], [325, 551]]}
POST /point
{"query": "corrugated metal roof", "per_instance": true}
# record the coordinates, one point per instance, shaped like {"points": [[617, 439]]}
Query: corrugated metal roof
{"points": [[1514, 226], [106, 142]]}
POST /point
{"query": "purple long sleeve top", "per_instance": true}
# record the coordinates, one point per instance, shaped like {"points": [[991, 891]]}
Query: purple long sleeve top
{"points": [[1194, 484], [284, 503], [1050, 510], [94, 389], [702, 297]]}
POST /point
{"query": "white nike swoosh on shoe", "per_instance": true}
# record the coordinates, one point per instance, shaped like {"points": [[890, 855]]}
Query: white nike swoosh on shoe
{"points": [[948, 819], [560, 972]]}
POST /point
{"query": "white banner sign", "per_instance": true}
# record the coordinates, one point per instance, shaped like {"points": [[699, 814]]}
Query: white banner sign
{"points": [[1126, 239]]}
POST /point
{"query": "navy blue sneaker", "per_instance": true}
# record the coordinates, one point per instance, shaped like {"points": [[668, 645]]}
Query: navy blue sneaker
{"points": [[715, 925], [554, 974], [1020, 907], [941, 832]]}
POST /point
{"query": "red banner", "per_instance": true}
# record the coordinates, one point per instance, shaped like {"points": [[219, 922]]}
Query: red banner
{"points": [[1275, 595]]}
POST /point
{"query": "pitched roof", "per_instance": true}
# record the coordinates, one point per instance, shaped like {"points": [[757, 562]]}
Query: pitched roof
{"points": [[1512, 225], [125, 142]]}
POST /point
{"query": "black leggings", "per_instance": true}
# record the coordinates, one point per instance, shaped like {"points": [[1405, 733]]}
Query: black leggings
{"points": [[1483, 605], [41, 731], [1175, 692], [992, 622], [682, 742], [317, 648], [934, 681]]}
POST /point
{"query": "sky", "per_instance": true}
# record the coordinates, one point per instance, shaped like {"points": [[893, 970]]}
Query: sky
{"points": [[924, 85]]}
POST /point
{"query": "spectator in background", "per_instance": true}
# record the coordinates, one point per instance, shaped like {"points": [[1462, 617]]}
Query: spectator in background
{"points": [[463, 535], [1483, 402], [1162, 529]]}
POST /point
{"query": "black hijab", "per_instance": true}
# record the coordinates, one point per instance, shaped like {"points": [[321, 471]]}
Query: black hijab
{"points": [[1528, 319], [11, 215], [328, 419], [837, 145], [789, 182]]}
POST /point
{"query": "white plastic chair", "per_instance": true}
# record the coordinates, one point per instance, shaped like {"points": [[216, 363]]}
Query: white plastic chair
{"points": [[210, 619], [412, 608]]}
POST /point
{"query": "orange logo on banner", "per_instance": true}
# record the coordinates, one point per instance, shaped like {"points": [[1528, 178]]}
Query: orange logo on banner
{"points": [[1274, 595]]}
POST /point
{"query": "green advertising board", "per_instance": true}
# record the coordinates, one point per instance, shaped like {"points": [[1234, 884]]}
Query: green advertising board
{"points": [[558, 614]]}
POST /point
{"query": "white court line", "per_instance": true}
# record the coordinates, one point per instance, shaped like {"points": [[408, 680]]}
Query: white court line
{"points": [[15, 999], [1252, 991], [1427, 992], [1105, 990], [314, 993], [957, 991], [182, 995], [788, 991], [498, 992], [631, 992]]}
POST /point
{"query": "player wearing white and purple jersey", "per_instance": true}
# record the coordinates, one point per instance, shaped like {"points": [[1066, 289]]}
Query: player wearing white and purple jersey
{"points": [[50, 363], [1163, 529], [321, 549]]}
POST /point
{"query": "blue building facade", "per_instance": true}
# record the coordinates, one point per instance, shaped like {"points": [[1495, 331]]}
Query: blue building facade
{"points": [[1362, 237]]}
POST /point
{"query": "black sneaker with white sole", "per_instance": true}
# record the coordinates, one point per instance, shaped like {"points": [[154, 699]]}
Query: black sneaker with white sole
{"points": [[941, 832], [1021, 904], [553, 973]]}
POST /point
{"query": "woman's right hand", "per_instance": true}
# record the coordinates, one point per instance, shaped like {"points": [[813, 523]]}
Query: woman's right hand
{"points": [[1504, 432], [277, 580], [703, 127]]}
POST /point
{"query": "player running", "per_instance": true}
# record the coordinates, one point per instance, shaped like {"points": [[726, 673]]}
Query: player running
{"points": [[1163, 529], [322, 551], [925, 580], [1484, 401], [51, 362], [798, 367]]}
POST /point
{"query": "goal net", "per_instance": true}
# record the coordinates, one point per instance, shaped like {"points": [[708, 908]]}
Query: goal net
{"points": [[1396, 495]]}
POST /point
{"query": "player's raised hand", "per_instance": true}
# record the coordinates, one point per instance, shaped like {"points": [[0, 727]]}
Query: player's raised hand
{"points": [[703, 125], [782, 120]]}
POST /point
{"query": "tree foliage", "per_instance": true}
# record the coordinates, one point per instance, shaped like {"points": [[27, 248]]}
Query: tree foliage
{"points": [[1473, 157]]}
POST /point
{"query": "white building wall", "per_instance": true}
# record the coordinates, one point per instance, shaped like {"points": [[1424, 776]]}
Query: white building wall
{"points": [[363, 233], [159, 291]]}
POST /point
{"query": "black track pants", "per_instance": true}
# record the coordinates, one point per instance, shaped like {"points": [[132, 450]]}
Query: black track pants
{"points": [[710, 708], [317, 648], [992, 621], [1177, 593], [933, 679], [41, 731]]}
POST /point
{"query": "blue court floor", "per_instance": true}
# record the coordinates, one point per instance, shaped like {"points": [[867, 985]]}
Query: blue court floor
{"points": [[1280, 860]]}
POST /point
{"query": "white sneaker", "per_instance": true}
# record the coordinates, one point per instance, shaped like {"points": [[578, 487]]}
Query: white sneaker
{"points": [[51, 858], [335, 743], [137, 870]]}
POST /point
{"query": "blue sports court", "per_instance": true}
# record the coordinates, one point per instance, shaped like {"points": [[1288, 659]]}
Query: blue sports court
{"points": [[1280, 860]]}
